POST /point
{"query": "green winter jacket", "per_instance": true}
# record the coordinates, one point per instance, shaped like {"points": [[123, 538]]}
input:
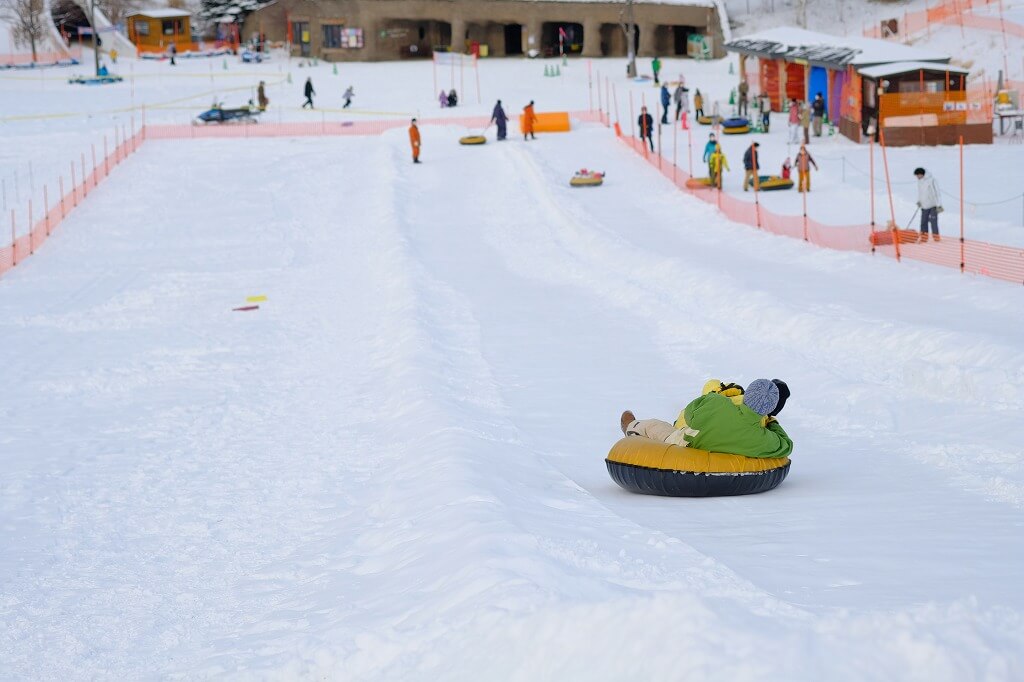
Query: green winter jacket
{"points": [[713, 422]]}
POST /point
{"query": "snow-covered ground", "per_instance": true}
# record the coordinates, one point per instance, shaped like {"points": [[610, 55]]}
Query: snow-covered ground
{"points": [[393, 469]]}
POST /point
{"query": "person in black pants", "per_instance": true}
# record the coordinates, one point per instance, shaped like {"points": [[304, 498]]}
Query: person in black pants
{"points": [[645, 123], [309, 92]]}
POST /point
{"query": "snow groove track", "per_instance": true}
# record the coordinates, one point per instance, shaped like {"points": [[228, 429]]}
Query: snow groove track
{"points": [[393, 469]]}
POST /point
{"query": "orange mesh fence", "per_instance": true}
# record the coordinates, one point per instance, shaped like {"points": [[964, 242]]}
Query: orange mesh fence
{"points": [[991, 260], [38, 226], [29, 229], [20, 58]]}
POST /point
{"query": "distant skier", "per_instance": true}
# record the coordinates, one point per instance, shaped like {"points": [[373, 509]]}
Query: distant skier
{"points": [[499, 118], [453, 98], [666, 99], [529, 118], [414, 141], [309, 92], [349, 94]]}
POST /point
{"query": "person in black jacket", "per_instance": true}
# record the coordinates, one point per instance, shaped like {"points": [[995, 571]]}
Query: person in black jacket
{"points": [[499, 118], [818, 109], [750, 167], [309, 92], [645, 124]]}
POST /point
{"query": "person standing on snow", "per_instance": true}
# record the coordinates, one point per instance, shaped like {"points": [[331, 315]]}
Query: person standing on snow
{"points": [[709, 149], [529, 118], [929, 201], [443, 97], [794, 122], [349, 94], [698, 104], [718, 421], [645, 125], [818, 107], [804, 161], [677, 98], [414, 141], [309, 92], [751, 167], [717, 163], [261, 96], [766, 111], [656, 68], [499, 119], [666, 99], [744, 98]]}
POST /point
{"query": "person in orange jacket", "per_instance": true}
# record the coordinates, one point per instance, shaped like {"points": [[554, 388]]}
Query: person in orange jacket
{"points": [[528, 120], [414, 140]]}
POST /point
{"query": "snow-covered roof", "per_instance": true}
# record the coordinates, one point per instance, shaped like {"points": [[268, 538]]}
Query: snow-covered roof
{"points": [[792, 44], [882, 70], [162, 13]]}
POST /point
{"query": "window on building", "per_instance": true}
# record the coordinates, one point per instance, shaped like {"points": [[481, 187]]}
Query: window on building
{"points": [[333, 35], [141, 27], [174, 27]]}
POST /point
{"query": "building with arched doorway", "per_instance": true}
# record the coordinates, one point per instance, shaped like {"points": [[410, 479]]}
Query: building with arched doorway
{"points": [[372, 30]]}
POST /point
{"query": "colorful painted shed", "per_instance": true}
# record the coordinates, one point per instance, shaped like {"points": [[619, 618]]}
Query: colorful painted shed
{"points": [[794, 63]]}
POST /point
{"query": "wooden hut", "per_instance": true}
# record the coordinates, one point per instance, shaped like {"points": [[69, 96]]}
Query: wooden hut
{"points": [[155, 30], [797, 64]]}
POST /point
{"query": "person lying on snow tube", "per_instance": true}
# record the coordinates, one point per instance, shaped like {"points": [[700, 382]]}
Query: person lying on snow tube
{"points": [[725, 419]]}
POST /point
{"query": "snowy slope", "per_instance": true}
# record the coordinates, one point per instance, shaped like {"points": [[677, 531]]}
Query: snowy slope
{"points": [[393, 470]]}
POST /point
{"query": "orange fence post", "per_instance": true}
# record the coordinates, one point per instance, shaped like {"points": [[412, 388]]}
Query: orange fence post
{"points": [[60, 186], [85, 184], [892, 207], [14, 241], [757, 183], [961, 203], [74, 187], [675, 152], [106, 156], [803, 195], [871, 179], [46, 211], [632, 130], [31, 247], [659, 146], [689, 147], [615, 97]]}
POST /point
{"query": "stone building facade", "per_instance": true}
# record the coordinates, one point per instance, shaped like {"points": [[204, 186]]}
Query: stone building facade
{"points": [[374, 30]]}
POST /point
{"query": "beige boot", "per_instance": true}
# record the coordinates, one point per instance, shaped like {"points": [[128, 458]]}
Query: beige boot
{"points": [[626, 419]]}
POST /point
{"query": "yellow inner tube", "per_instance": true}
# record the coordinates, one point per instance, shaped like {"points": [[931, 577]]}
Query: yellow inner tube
{"points": [[738, 130], [472, 139], [652, 454], [586, 180]]}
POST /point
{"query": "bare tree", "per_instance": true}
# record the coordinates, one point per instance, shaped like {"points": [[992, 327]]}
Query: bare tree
{"points": [[117, 10], [628, 25], [27, 21]]}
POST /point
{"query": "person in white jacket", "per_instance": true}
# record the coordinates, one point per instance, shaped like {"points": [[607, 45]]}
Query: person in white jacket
{"points": [[929, 201]]}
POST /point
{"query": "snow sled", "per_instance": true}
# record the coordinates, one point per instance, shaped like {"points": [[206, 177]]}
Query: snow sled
{"points": [[587, 178], [218, 114], [735, 126], [770, 183], [252, 56], [708, 120], [95, 80], [884, 237], [650, 467], [699, 183], [473, 139]]}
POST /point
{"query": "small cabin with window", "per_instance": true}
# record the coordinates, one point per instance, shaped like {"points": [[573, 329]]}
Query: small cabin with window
{"points": [[869, 86], [155, 30]]}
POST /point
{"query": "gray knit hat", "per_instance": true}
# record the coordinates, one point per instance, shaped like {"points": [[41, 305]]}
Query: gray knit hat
{"points": [[762, 395]]}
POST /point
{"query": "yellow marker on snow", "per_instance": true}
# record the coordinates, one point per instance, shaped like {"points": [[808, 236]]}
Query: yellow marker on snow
{"points": [[255, 299]]}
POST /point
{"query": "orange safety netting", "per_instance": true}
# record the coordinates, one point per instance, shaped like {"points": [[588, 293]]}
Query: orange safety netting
{"points": [[990, 260], [38, 227]]}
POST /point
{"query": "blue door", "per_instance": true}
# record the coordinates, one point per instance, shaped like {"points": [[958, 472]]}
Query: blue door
{"points": [[818, 83]]}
